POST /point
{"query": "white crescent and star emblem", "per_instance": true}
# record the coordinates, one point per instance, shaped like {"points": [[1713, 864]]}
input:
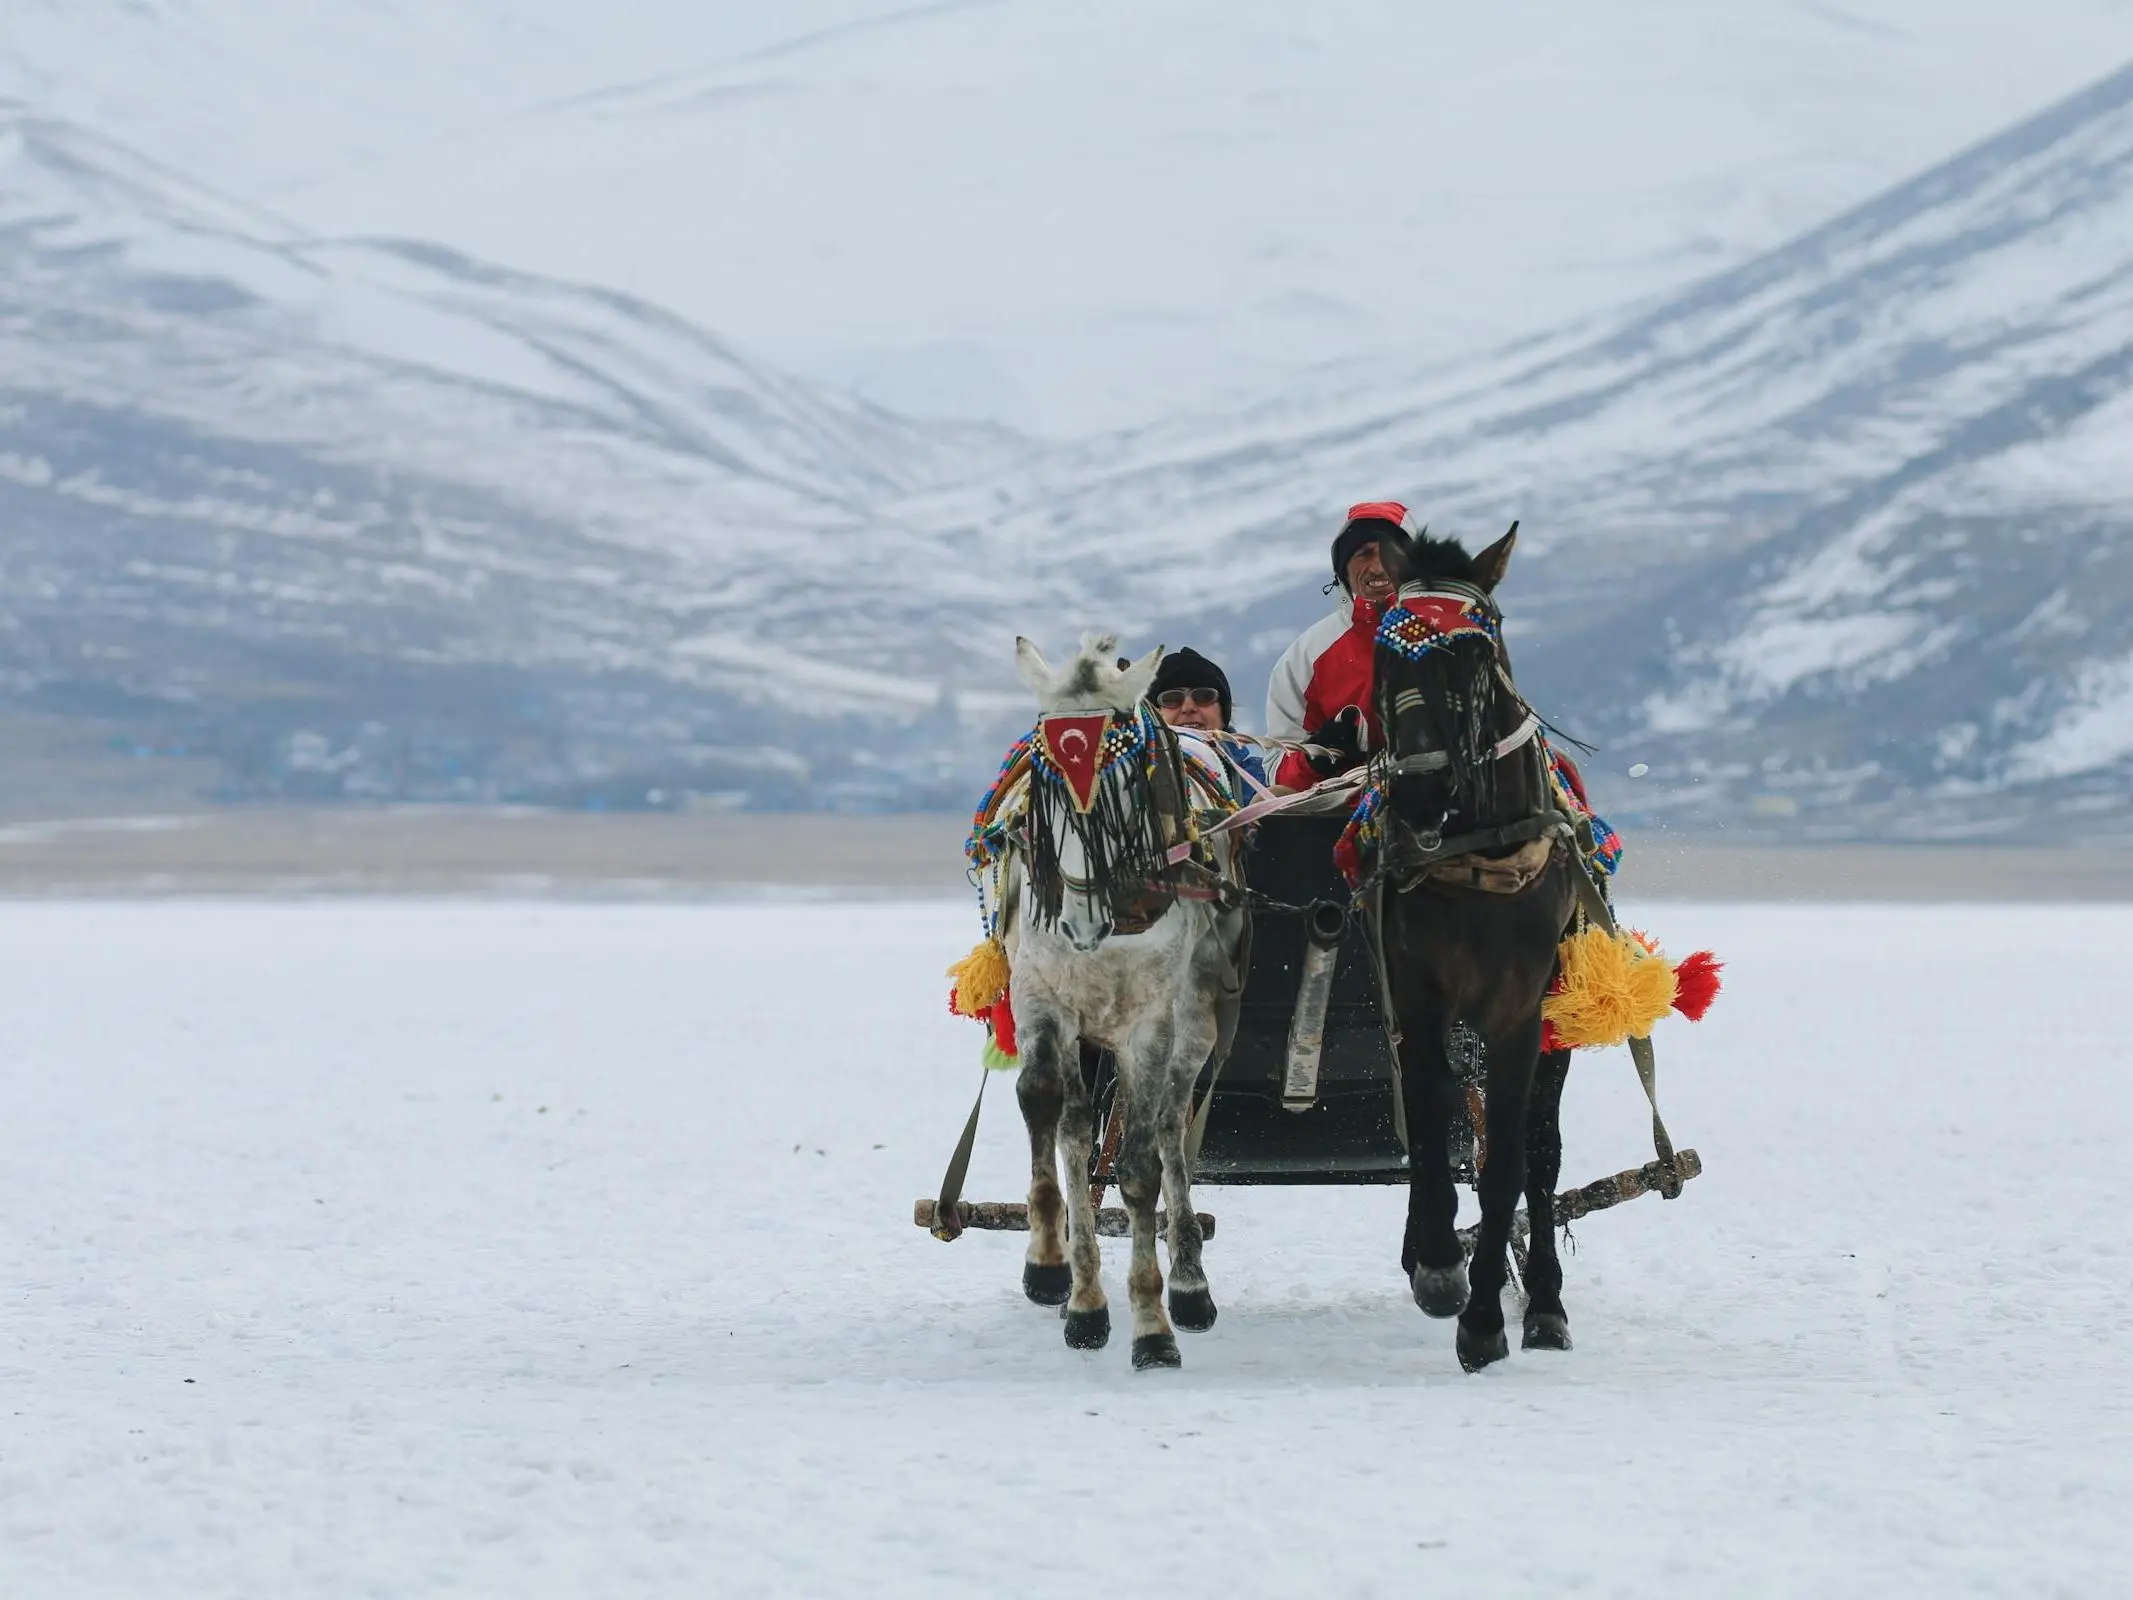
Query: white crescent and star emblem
{"points": [[1074, 744]]}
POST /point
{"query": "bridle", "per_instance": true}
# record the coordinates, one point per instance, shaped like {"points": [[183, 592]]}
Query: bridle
{"points": [[1474, 599], [1434, 615], [1138, 813]]}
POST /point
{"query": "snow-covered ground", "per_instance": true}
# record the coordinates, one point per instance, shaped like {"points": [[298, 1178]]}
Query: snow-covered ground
{"points": [[417, 1248]]}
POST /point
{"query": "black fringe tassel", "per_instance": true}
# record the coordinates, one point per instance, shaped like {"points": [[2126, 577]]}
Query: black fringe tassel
{"points": [[1120, 834]]}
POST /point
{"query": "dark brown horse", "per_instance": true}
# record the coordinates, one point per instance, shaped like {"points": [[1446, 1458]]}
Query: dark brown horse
{"points": [[1477, 892]]}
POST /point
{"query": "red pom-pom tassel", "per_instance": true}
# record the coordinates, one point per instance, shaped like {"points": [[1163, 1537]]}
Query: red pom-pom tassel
{"points": [[1550, 1039], [1003, 1025], [1696, 983]]}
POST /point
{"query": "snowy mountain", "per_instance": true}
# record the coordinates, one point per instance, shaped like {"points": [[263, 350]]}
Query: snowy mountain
{"points": [[1848, 529], [275, 494], [1834, 539], [1079, 216], [1929, 406]]}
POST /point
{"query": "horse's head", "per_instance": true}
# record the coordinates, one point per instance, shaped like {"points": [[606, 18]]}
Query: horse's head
{"points": [[1093, 681], [1095, 841], [1444, 680]]}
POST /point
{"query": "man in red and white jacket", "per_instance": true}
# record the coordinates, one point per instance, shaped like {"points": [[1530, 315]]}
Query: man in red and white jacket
{"points": [[1323, 687]]}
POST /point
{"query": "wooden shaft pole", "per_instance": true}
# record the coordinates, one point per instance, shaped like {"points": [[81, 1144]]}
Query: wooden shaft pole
{"points": [[1112, 1222], [1572, 1204]]}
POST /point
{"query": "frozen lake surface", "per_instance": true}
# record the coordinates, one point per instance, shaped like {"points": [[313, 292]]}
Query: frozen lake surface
{"points": [[399, 1248]]}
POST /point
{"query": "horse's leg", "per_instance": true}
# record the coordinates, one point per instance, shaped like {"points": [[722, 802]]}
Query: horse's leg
{"points": [[1192, 1303], [1140, 1186], [1039, 1088], [1547, 1324], [1430, 1252], [1511, 1062], [1088, 1317]]}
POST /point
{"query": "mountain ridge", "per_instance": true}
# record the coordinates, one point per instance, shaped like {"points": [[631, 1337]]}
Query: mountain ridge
{"points": [[1789, 533]]}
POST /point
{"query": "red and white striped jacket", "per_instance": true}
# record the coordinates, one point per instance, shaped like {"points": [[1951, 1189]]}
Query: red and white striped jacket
{"points": [[1331, 666]]}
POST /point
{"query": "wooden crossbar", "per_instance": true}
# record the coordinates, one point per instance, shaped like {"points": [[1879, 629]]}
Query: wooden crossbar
{"points": [[1112, 1222], [1013, 1217]]}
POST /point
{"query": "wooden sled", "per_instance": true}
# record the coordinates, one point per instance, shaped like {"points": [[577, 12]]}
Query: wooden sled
{"points": [[1282, 1114]]}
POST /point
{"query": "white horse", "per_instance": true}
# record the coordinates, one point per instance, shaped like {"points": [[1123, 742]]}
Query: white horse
{"points": [[1150, 995]]}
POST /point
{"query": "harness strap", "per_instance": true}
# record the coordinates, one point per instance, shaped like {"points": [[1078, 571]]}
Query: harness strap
{"points": [[1165, 790], [1445, 589], [1438, 760], [1374, 937], [1409, 866], [1640, 1052], [1593, 902], [1269, 804], [947, 1210], [1511, 874]]}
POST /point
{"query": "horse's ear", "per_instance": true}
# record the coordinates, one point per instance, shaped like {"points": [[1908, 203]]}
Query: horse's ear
{"points": [[1030, 663], [1134, 682], [1490, 564], [1396, 554]]}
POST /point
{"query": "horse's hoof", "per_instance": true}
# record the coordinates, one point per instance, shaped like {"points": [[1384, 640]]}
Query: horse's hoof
{"points": [[1441, 1291], [1193, 1309], [1547, 1330], [1156, 1350], [1478, 1350], [1047, 1285], [1089, 1330]]}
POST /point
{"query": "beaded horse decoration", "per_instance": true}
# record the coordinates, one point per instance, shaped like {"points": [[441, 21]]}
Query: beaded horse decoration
{"points": [[1104, 779], [1416, 624], [1122, 787], [1090, 773]]}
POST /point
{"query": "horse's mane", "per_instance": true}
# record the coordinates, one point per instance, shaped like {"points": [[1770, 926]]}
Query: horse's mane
{"points": [[1436, 559]]}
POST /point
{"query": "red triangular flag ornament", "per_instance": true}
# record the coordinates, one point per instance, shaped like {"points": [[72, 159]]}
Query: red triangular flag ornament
{"points": [[1441, 613], [1074, 745]]}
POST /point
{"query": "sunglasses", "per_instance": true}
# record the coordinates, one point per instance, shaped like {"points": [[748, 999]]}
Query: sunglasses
{"points": [[1171, 699]]}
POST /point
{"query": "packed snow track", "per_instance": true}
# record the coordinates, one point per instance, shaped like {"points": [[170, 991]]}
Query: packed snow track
{"points": [[404, 1248]]}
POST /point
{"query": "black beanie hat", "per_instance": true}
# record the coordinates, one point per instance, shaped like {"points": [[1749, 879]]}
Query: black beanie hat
{"points": [[1367, 523], [1188, 669]]}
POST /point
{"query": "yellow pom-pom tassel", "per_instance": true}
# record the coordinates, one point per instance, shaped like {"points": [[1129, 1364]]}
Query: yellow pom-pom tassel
{"points": [[980, 979], [1613, 988]]}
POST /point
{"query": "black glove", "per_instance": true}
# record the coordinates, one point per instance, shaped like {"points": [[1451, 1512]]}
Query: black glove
{"points": [[1341, 739]]}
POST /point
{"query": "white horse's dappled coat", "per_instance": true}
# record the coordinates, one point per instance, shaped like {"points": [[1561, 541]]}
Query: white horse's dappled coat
{"points": [[1153, 1000]]}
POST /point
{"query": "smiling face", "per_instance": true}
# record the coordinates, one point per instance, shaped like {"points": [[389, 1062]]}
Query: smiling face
{"points": [[1366, 577], [1190, 708]]}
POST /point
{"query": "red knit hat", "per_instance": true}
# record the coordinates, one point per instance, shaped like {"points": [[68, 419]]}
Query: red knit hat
{"points": [[1365, 525]]}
